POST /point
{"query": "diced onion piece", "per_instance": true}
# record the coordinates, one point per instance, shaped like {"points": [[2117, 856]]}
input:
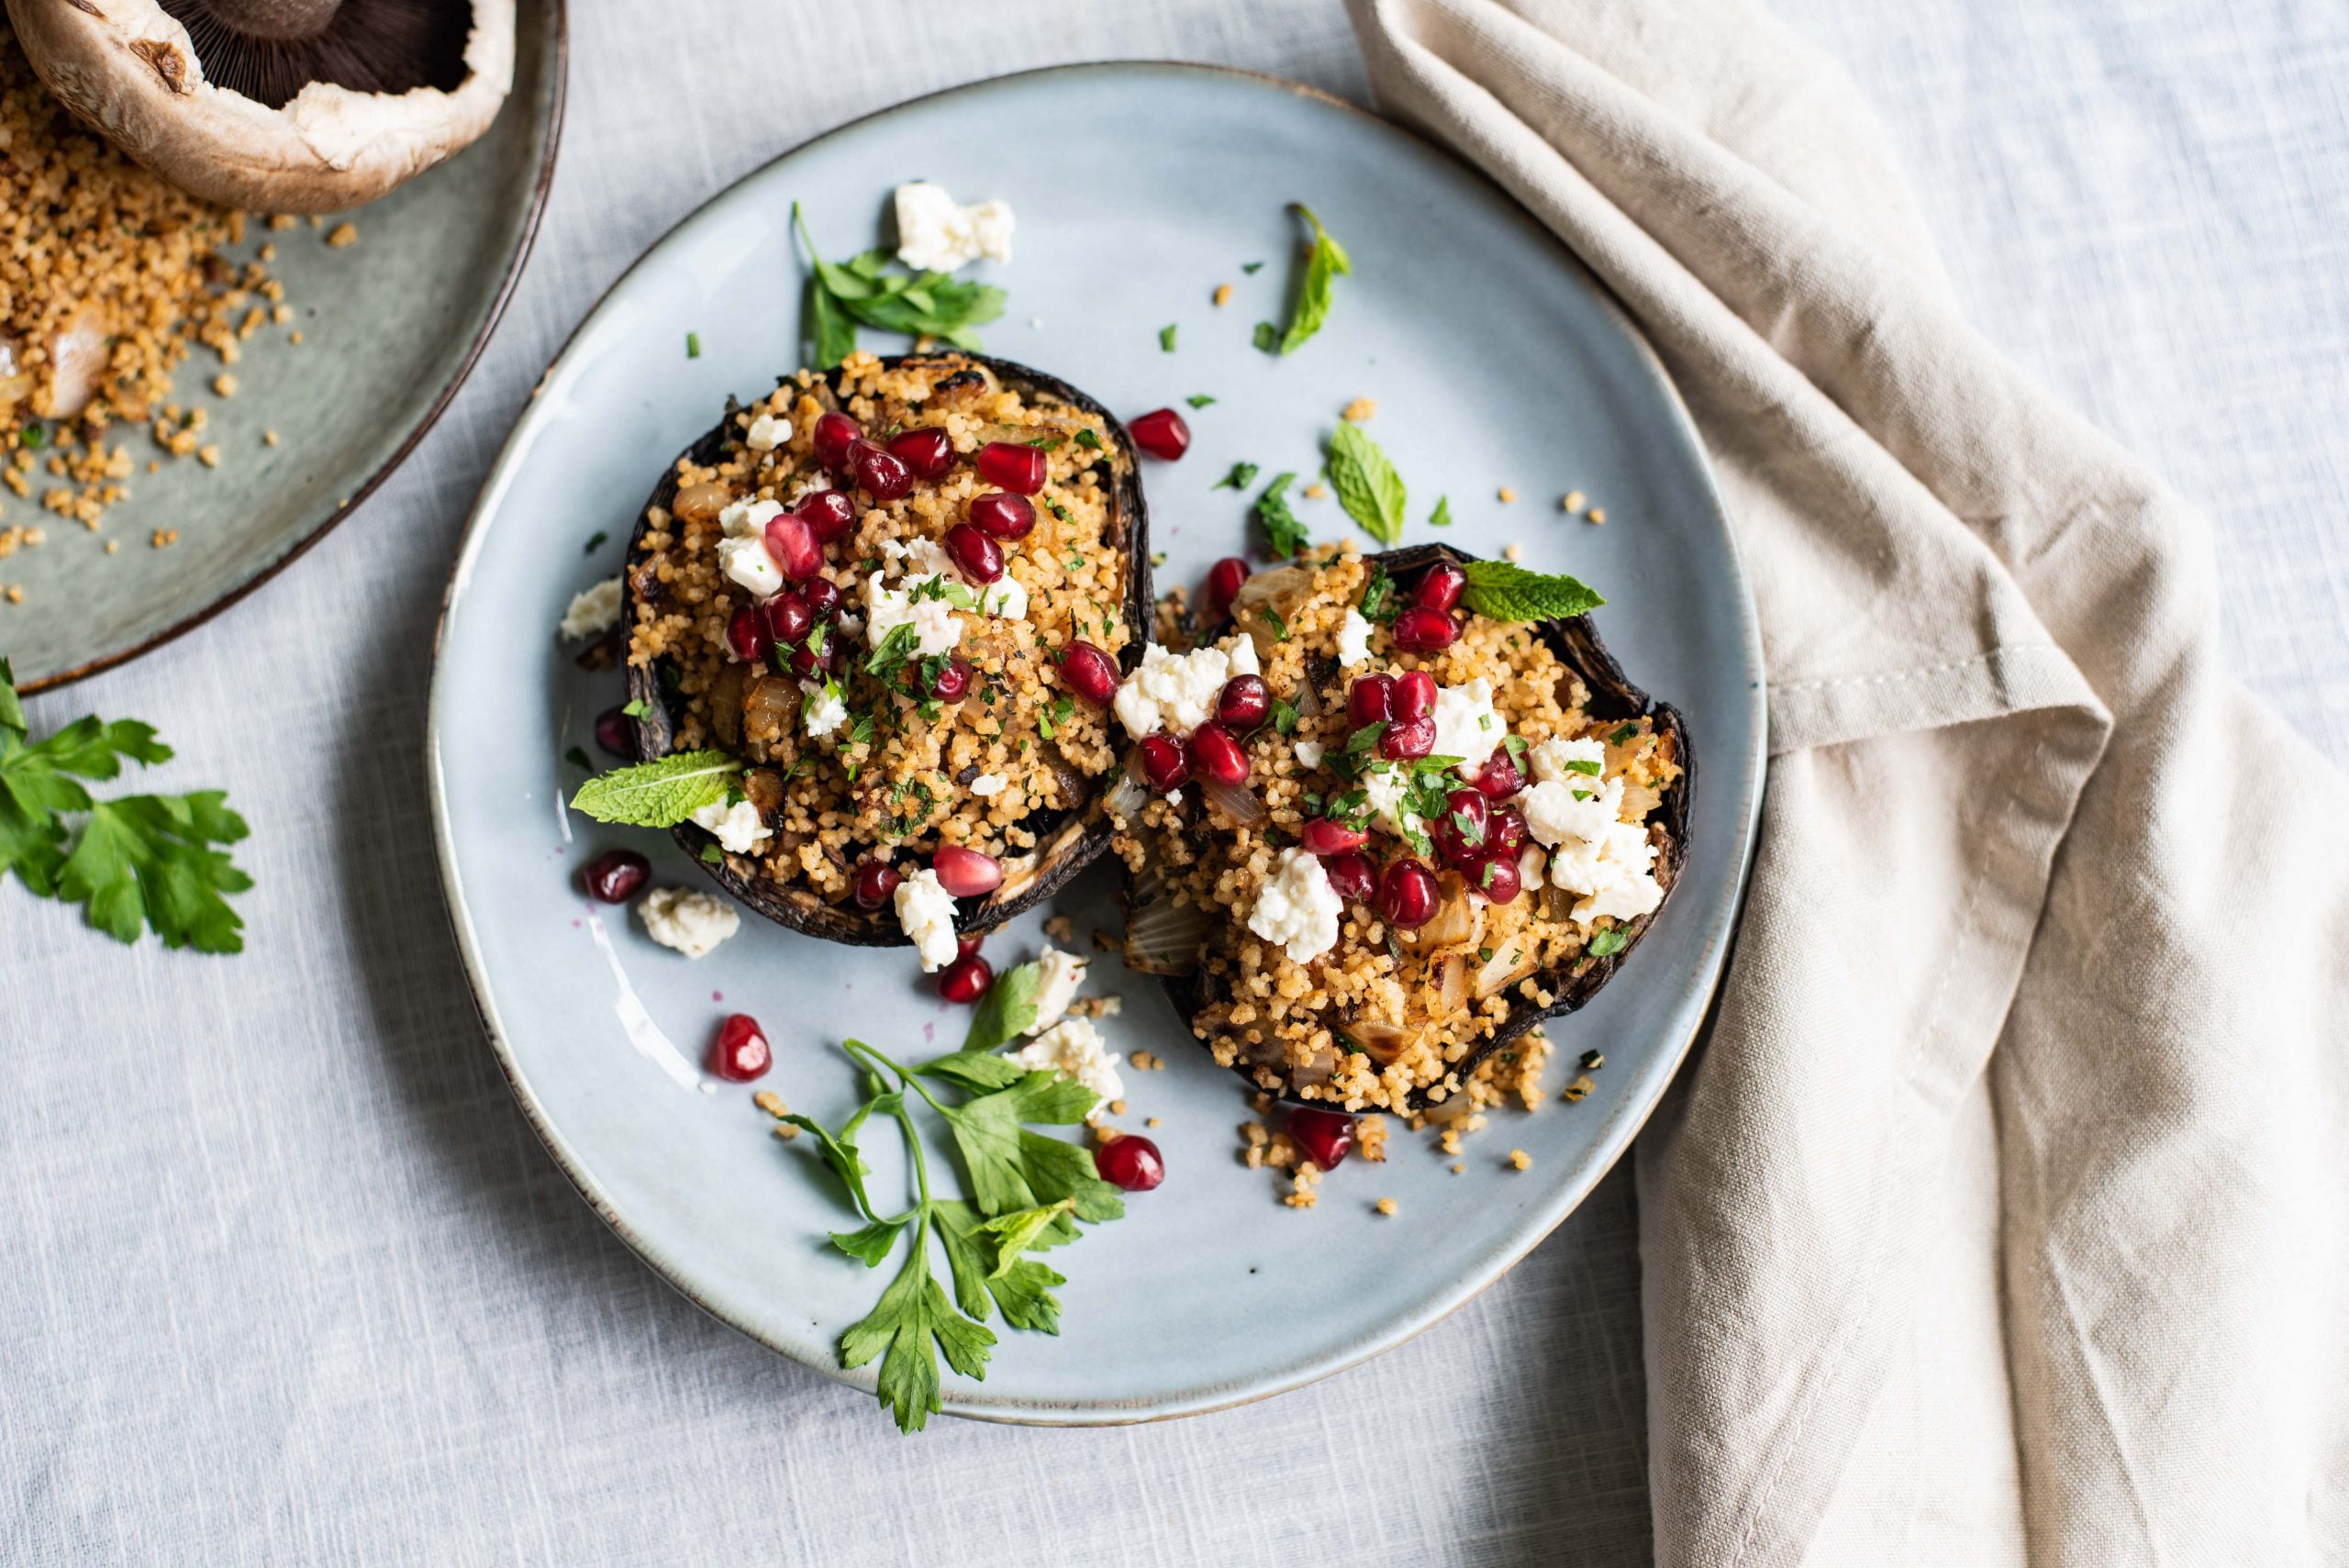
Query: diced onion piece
{"points": [[1457, 921], [1451, 982], [1510, 963], [769, 709], [1236, 801], [1383, 1040], [1283, 590], [699, 503], [1165, 938]]}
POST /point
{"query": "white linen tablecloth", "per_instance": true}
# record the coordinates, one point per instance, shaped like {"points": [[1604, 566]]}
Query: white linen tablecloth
{"points": [[284, 1277]]}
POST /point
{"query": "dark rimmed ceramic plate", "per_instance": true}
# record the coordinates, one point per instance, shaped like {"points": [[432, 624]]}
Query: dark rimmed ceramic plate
{"points": [[1496, 360], [390, 325]]}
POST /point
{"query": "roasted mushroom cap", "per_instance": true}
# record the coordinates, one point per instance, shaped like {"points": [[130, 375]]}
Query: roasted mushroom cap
{"points": [[1612, 698], [1068, 841], [277, 106]]}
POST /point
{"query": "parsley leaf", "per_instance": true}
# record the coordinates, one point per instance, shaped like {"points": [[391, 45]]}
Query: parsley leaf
{"points": [[1502, 591], [1007, 1012], [1243, 475], [895, 650], [1378, 602], [1609, 942], [594, 542], [1011, 1167], [659, 794], [1368, 485], [1166, 339], [912, 1313], [1441, 517], [1288, 536], [1322, 269], [1199, 400], [693, 345], [1268, 337]]}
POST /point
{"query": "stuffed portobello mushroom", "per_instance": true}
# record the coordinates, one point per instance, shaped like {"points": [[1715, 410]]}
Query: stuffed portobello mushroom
{"points": [[1372, 836], [902, 594]]}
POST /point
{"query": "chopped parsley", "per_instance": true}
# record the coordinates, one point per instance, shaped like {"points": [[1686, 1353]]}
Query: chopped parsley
{"points": [[1623, 734], [693, 345], [1441, 517], [1268, 337], [1243, 475], [1166, 339], [1282, 530], [1087, 440], [1609, 942], [594, 542], [1199, 400], [578, 759]]}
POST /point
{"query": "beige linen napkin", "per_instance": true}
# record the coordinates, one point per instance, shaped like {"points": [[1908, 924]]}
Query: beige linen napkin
{"points": [[2002, 1217]]}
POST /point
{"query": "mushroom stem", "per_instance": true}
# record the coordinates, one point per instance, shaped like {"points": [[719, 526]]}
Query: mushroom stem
{"points": [[283, 20]]}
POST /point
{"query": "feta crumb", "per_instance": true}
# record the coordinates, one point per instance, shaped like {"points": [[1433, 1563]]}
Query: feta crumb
{"points": [[593, 611], [767, 432], [1310, 752], [1061, 973], [821, 711], [1552, 760], [920, 558], [689, 921], [740, 827], [748, 519], [937, 234], [1353, 640], [1177, 692], [925, 913], [1388, 787], [936, 630], [1593, 852], [1074, 1046], [1466, 725], [745, 561], [1006, 599], [989, 783], [1297, 908]]}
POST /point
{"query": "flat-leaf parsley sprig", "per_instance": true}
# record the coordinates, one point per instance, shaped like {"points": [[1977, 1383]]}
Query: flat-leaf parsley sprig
{"points": [[139, 860], [1027, 1192]]}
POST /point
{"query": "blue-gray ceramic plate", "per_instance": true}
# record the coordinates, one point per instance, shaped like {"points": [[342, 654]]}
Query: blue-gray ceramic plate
{"points": [[1496, 360]]}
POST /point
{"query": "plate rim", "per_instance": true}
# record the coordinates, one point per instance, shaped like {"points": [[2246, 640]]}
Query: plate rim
{"points": [[541, 185], [974, 1402]]}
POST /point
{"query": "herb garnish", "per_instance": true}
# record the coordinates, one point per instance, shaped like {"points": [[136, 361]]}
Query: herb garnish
{"points": [[1199, 400], [1166, 339], [1322, 269], [693, 345], [594, 542], [1368, 485], [1609, 942], [1379, 604], [1027, 1192], [921, 305], [1623, 733], [579, 759], [1503, 590], [140, 860], [1243, 475], [661, 793], [1287, 535], [894, 650], [635, 709], [1087, 440], [1441, 517], [1268, 337]]}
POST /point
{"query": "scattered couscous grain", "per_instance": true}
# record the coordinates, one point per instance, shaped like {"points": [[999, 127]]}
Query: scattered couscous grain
{"points": [[269, 438], [1519, 1160], [1150, 1122], [1506, 494], [1383, 1206], [208, 455], [1598, 514], [1147, 1062], [1458, 1169], [1315, 491], [342, 234], [1223, 294], [1061, 928], [224, 384], [1579, 1088], [163, 536], [1513, 552], [15, 592], [1117, 1107], [294, 338], [1360, 411], [1574, 500], [113, 545]]}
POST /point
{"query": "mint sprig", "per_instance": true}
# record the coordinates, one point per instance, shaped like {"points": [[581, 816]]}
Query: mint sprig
{"points": [[1503, 590], [661, 793], [1368, 485], [1327, 260]]}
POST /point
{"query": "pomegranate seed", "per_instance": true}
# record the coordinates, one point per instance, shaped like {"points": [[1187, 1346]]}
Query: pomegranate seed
{"points": [[1323, 836], [1414, 695], [1090, 673], [1507, 830], [1408, 895], [1351, 876], [614, 876], [1164, 762], [1370, 700], [876, 883], [805, 660], [965, 946], [1421, 630], [823, 599], [1500, 778], [1223, 584], [966, 874], [1441, 587], [833, 435], [1217, 757], [615, 734], [746, 634], [1244, 703], [1007, 465], [1129, 1161], [1002, 514], [1466, 823], [1495, 876], [797, 551], [1406, 739], [967, 979], [788, 619], [953, 681], [1161, 433], [979, 557], [925, 449], [831, 513], [741, 1053], [883, 477], [1326, 1137]]}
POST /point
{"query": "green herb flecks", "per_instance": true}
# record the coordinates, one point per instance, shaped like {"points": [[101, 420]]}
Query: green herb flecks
{"points": [[1502, 591], [1199, 400], [1368, 485], [1286, 535], [1441, 517], [594, 542], [1243, 475], [659, 794], [1268, 338], [1322, 267], [693, 345], [1087, 439], [1609, 942], [843, 294], [1166, 337]]}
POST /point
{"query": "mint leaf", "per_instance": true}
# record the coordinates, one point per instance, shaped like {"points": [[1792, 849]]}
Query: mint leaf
{"points": [[1282, 530], [659, 794], [1502, 591], [1368, 485], [1322, 269]]}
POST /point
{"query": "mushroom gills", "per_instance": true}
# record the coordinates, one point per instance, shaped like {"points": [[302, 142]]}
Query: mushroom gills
{"points": [[269, 50]]}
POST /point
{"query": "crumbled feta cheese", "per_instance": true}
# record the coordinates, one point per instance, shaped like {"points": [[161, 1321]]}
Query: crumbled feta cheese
{"points": [[989, 783], [1310, 752], [1388, 787], [919, 557], [1006, 598], [1592, 850], [1297, 908], [937, 234], [748, 519], [691, 922], [1466, 725], [739, 826], [1060, 975], [925, 913], [745, 561], [1553, 760], [767, 432], [1074, 1046], [936, 628], [1177, 692], [593, 611], [821, 711], [1353, 640], [1616, 877]]}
